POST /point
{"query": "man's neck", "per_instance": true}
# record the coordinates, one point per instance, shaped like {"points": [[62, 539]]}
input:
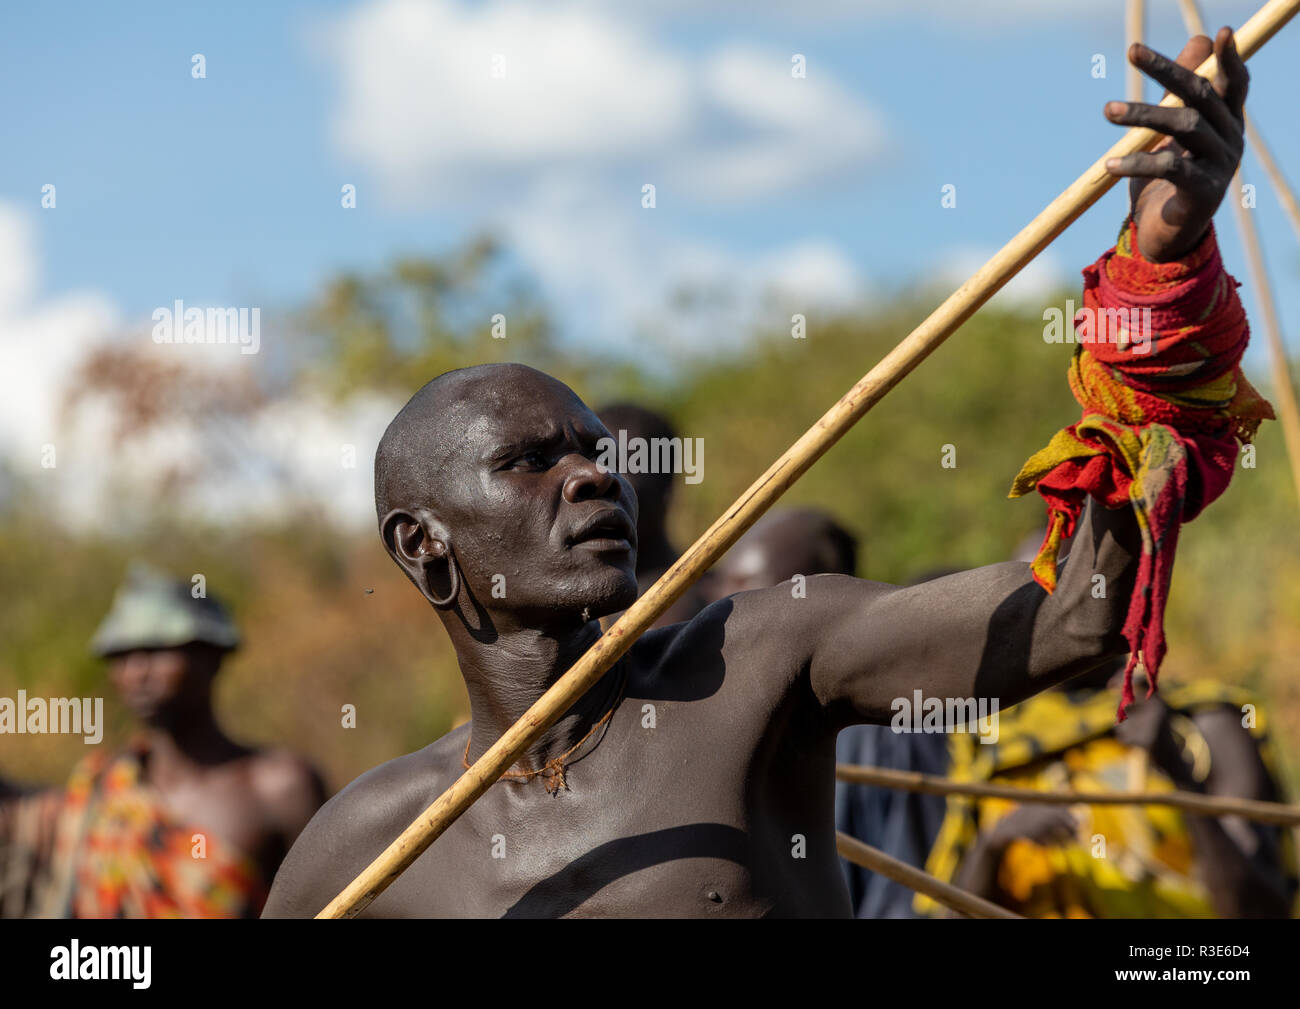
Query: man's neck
{"points": [[185, 746], [505, 678]]}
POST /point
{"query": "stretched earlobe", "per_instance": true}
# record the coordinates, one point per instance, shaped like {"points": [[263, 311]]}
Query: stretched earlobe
{"points": [[422, 553], [453, 575]]}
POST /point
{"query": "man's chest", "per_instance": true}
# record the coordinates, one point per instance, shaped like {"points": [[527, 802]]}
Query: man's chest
{"points": [[639, 866], [219, 804], [662, 826]]}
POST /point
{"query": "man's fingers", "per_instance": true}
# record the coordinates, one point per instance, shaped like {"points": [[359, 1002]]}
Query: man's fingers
{"points": [[1166, 164], [1233, 79], [1194, 90], [1186, 125], [1195, 52]]}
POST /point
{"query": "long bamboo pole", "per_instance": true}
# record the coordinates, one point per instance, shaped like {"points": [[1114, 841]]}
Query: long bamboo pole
{"points": [[1134, 28], [1191, 802], [1192, 17], [1288, 412], [967, 903], [745, 511], [1285, 194]]}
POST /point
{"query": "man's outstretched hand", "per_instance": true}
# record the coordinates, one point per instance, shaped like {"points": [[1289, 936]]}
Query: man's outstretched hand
{"points": [[1177, 187]]}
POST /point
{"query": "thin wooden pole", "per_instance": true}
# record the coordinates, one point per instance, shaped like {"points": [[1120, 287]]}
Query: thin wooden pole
{"points": [[1288, 412], [1191, 802], [746, 510], [954, 897], [1285, 194], [1192, 17], [1134, 31]]}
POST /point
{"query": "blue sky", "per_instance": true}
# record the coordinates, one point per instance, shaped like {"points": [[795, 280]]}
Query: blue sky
{"points": [[226, 190]]}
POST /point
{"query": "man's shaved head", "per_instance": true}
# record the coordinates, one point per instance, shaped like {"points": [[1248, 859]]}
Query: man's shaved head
{"points": [[785, 543], [418, 444], [486, 485]]}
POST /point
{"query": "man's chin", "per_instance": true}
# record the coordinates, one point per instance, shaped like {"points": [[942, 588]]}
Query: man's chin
{"points": [[598, 590], [143, 711], [613, 592], [617, 602]]}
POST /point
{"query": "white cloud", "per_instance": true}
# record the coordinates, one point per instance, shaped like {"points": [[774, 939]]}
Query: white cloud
{"points": [[419, 97], [1031, 287], [419, 105], [40, 342], [622, 277], [796, 129], [553, 154], [814, 271], [960, 16], [262, 463]]}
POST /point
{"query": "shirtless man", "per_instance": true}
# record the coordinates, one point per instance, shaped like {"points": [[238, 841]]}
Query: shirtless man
{"points": [[707, 789], [130, 850]]}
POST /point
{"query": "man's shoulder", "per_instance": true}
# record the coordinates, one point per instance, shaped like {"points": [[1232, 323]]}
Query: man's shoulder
{"points": [[354, 826], [398, 789], [758, 618], [277, 774], [761, 635]]}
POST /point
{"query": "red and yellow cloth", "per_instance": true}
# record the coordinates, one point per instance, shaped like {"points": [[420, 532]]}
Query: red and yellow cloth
{"points": [[1161, 419], [119, 853]]}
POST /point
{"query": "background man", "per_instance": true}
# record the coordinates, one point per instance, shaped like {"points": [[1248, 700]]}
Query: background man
{"points": [[184, 822]]}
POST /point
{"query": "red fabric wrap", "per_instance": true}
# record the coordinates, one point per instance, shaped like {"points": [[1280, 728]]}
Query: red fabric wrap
{"points": [[1160, 428]]}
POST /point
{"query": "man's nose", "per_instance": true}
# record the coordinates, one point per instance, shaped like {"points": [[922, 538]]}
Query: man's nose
{"points": [[135, 669], [585, 480]]}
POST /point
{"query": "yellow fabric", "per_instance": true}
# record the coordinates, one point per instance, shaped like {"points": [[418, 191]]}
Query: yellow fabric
{"points": [[1130, 861], [1144, 451], [1064, 740]]}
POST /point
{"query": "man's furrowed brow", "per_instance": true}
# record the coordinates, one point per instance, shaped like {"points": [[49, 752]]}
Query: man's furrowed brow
{"points": [[510, 447]]}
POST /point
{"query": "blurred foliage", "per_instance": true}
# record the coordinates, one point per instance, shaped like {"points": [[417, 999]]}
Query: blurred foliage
{"points": [[395, 330], [328, 620]]}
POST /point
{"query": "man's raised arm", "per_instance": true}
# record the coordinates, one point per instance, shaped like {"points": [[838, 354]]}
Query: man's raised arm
{"points": [[1158, 375], [992, 632]]}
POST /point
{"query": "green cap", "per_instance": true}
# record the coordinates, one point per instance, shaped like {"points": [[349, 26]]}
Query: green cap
{"points": [[152, 610]]}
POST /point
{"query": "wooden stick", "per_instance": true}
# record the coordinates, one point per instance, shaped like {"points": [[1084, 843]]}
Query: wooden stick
{"points": [[1191, 802], [1285, 194], [955, 897], [1192, 18], [745, 511], [1139, 766], [1134, 29], [1288, 412]]}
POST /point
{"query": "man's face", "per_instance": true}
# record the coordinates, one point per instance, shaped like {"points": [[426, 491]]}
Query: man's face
{"points": [[535, 525], [157, 684]]}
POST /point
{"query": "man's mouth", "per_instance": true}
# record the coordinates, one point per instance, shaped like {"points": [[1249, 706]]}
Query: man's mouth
{"points": [[610, 529]]}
